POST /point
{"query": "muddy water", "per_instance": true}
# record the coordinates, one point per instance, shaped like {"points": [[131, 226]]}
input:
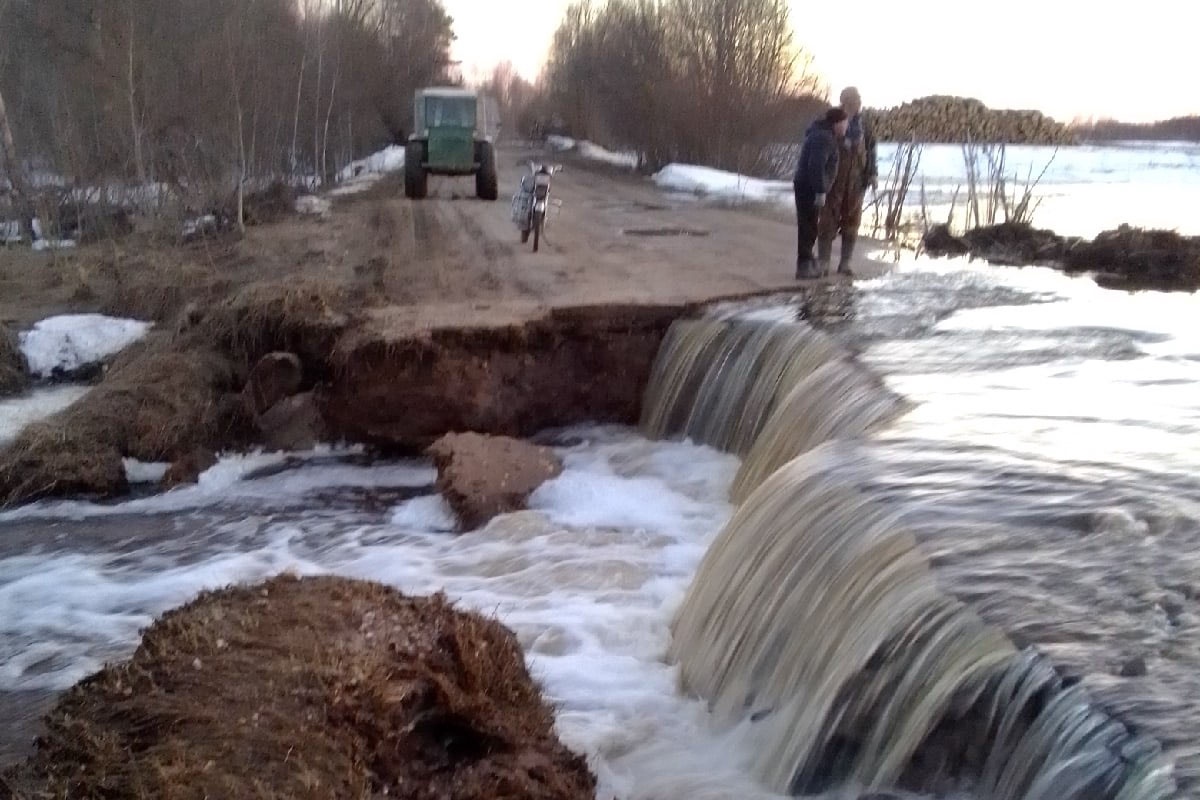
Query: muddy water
{"points": [[1049, 468]]}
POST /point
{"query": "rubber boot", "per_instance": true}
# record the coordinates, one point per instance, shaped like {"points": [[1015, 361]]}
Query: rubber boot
{"points": [[824, 256], [847, 254], [806, 269]]}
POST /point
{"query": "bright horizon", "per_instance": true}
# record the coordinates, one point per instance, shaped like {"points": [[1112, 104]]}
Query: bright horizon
{"points": [[1066, 58]]}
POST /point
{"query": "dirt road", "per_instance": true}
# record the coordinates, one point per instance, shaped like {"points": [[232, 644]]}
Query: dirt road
{"points": [[618, 239]]}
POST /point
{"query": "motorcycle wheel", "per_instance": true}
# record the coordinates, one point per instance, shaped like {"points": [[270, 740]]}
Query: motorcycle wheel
{"points": [[538, 221]]}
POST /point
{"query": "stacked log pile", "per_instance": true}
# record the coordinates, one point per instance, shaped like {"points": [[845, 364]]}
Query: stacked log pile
{"points": [[945, 119]]}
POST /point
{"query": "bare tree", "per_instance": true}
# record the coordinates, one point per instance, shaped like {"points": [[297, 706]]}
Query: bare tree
{"points": [[196, 96], [9, 158], [710, 81]]}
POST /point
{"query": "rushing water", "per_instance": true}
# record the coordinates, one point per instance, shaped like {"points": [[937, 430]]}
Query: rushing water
{"points": [[1048, 469], [18, 412]]}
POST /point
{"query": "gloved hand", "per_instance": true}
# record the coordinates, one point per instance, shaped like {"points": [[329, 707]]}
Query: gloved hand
{"points": [[819, 202]]}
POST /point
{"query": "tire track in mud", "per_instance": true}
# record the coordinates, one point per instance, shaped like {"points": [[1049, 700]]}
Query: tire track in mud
{"points": [[424, 229], [482, 254]]}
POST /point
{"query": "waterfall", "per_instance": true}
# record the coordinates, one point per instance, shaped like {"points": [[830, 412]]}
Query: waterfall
{"points": [[717, 381], [838, 400], [815, 615]]}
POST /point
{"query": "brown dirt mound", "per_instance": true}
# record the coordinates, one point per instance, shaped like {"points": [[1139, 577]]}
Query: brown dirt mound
{"points": [[1127, 258], [1136, 257], [155, 404], [313, 688], [304, 317], [482, 476], [1008, 244], [14, 374]]}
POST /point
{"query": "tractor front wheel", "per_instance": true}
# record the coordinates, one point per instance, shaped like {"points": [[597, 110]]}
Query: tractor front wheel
{"points": [[416, 180]]}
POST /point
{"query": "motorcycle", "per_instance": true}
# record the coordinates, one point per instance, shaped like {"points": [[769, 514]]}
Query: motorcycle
{"points": [[532, 203]]}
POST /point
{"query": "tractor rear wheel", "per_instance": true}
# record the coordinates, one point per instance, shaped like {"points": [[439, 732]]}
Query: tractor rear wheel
{"points": [[487, 183], [416, 180]]}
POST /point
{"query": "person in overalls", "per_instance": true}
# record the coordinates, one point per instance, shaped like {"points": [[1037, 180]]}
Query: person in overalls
{"points": [[857, 169]]}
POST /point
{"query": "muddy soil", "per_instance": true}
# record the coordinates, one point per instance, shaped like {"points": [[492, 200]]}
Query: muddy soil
{"points": [[1124, 258], [387, 250], [14, 375], [484, 476], [408, 319], [571, 365], [308, 688]]}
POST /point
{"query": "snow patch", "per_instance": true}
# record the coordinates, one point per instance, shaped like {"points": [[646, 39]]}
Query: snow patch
{"points": [[53, 244], [10, 232], [204, 224], [144, 472], [358, 176], [727, 186], [68, 342], [311, 204], [592, 152]]}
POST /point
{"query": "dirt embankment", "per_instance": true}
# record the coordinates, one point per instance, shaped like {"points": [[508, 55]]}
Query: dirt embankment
{"points": [[172, 395], [402, 389], [290, 364], [406, 320], [313, 688], [1125, 258]]}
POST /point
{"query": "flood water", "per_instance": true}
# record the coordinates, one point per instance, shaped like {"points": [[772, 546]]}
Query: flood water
{"points": [[1050, 467]]}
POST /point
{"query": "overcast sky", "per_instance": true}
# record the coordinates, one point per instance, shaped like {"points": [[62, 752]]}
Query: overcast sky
{"points": [[1065, 57]]}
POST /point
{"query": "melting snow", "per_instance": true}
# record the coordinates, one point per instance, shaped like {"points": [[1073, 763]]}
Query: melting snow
{"points": [[593, 152], [66, 343], [723, 185], [357, 176]]}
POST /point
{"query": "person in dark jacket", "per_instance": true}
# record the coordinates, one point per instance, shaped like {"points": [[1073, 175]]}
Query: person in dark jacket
{"points": [[857, 170], [816, 170]]}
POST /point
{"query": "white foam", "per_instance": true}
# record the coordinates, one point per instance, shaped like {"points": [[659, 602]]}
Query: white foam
{"points": [[589, 591], [427, 513], [70, 341], [239, 478], [63, 616]]}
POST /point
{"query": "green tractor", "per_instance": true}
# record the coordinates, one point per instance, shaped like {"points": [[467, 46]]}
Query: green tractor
{"points": [[453, 134]]}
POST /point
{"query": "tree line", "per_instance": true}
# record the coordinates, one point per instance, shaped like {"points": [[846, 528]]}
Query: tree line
{"points": [[714, 82], [202, 96], [1179, 129]]}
